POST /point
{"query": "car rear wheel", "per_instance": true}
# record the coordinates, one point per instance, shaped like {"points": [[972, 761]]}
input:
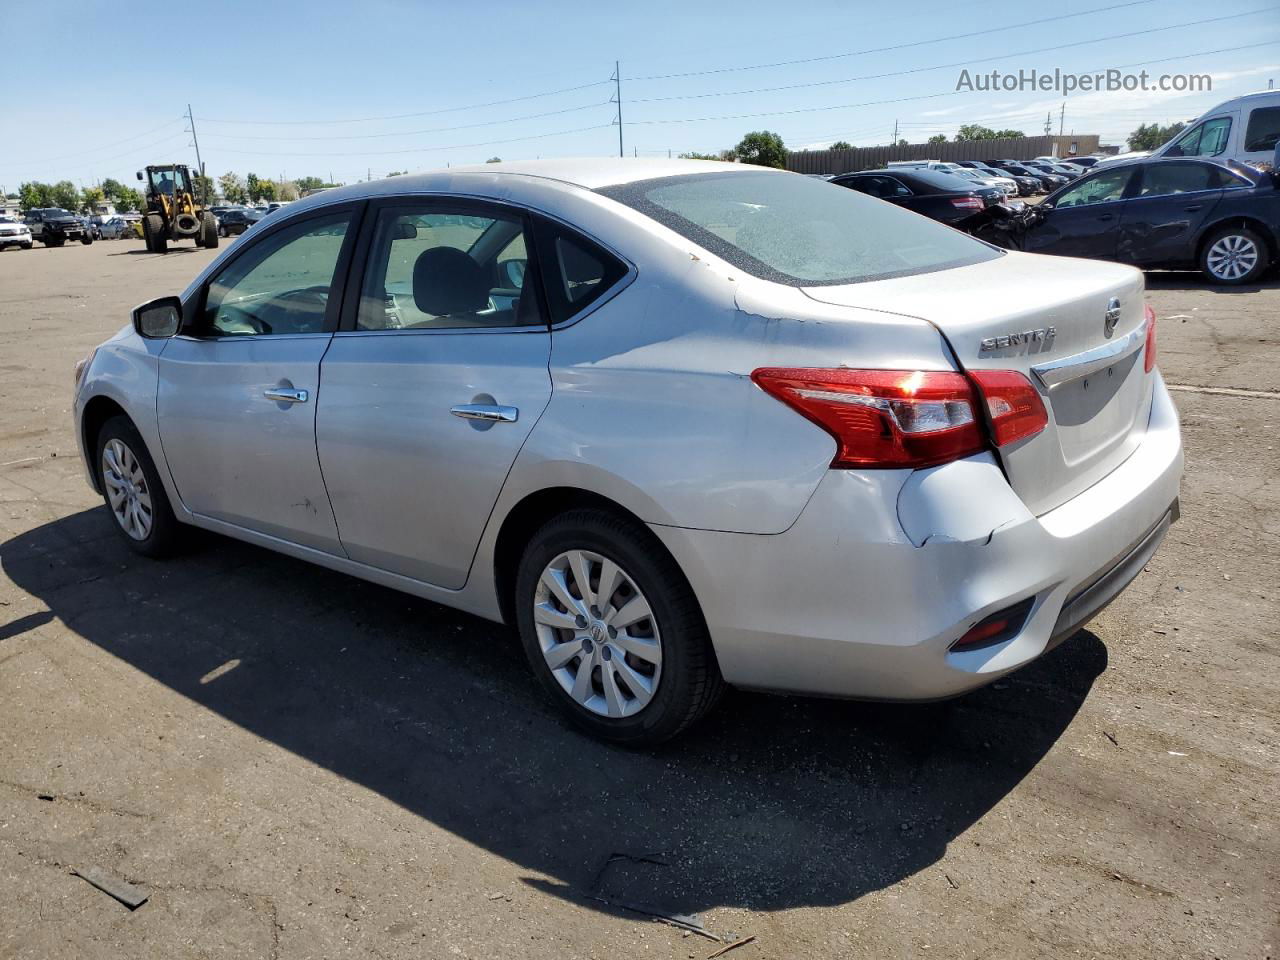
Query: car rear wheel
{"points": [[612, 629], [133, 492], [53, 243], [1234, 255]]}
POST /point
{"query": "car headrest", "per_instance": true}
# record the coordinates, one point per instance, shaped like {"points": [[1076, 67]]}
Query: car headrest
{"points": [[447, 281]]}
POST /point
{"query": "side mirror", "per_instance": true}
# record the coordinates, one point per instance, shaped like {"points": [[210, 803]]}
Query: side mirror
{"points": [[158, 319], [139, 174], [405, 231]]}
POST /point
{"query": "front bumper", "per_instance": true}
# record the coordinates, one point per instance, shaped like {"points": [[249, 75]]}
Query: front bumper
{"points": [[9, 239], [853, 601]]}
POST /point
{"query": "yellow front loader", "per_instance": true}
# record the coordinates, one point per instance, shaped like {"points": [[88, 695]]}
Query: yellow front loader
{"points": [[172, 212]]}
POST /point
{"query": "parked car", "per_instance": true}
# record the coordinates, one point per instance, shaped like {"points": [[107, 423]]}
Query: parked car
{"points": [[818, 462], [1054, 178], [1047, 181], [54, 226], [1165, 214], [115, 228], [14, 233], [1086, 162], [1006, 185], [237, 221], [1027, 186], [1244, 129], [940, 196]]}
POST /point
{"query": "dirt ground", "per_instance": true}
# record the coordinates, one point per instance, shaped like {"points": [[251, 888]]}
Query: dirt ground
{"points": [[297, 764]]}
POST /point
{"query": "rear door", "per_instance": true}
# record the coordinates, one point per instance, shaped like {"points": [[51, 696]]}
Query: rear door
{"points": [[1083, 219], [238, 389], [433, 383], [1170, 202]]}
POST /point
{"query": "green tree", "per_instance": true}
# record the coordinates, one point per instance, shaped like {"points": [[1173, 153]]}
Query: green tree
{"points": [[1009, 134], [904, 143], [204, 188], [91, 197], [841, 145], [309, 183], [693, 155], [1148, 136], [494, 160], [127, 200], [34, 194], [975, 131], [64, 194], [938, 138], [254, 187], [233, 188], [266, 190], [113, 188], [397, 173], [762, 148]]}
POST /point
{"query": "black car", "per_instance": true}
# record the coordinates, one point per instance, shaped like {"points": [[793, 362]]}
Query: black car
{"points": [[1046, 181], [236, 221], [1027, 186], [951, 200], [54, 226], [1165, 214]]}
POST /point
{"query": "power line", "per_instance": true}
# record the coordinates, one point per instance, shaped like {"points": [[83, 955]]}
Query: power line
{"points": [[411, 133], [452, 146], [108, 146], [423, 113], [959, 63], [872, 103], [898, 46]]}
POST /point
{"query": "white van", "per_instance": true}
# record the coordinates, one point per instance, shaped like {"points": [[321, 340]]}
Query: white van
{"points": [[1244, 129]]}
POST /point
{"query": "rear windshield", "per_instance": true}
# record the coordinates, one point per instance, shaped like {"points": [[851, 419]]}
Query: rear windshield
{"points": [[797, 230]]}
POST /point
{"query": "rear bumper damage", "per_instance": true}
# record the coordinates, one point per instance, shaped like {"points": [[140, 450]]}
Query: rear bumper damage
{"points": [[865, 595]]}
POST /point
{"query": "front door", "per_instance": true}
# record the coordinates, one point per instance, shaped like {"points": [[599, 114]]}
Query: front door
{"points": [[238, 390], [1084, 218], [432, 385]]}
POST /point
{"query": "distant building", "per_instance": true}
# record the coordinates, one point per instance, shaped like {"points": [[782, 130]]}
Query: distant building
{"points": [[10, 208]]}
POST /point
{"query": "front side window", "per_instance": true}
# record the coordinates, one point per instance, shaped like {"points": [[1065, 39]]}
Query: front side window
{"points": [[1100, 188], [1206, 139], [799, 231], [281, 285], [433, 268], [1263, 131]]}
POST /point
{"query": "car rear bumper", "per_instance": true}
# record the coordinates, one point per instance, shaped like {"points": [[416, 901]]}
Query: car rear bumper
{"points": [[884, 571]]}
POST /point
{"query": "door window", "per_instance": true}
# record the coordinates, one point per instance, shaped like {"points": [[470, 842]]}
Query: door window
{"points": [[1164, 179], [577, 271], [1100, 188], [431, 268], [1263, 130], [1206, 139], [281, 285]]}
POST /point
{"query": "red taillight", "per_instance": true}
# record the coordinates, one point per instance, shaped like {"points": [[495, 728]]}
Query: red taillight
{"points": [[883, 418], [968, 203], [1014, 408], [1149, 353]]}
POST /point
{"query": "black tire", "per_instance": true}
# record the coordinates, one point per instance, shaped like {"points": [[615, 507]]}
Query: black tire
{"points": [[690, 681], [208, 236], [86, 239], [1245, 242], [222, 232], [159, 243], [165, 533], [54, 243], [27, 246]]}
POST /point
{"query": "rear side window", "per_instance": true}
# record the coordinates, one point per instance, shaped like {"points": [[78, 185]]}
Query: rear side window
{"points": [[1162, 179], [1263, 130], [576, 271], [1100, 188], [800, 231]]}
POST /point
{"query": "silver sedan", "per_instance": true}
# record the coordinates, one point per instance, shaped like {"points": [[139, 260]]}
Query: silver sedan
{"points": [[681, 424]]}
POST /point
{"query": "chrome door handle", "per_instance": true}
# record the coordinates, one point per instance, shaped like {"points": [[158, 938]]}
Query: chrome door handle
{"points": [[286, 395], [492, 412]]}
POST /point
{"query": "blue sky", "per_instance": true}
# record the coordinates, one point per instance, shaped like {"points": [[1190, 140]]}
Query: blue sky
{"points": [[269, 72]]}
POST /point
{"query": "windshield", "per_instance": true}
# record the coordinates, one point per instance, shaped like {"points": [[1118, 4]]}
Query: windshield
{"points": [[800, 231]]}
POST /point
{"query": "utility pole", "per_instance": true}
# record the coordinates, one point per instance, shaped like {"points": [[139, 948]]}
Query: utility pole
{"points": [[1048, 123], [894, 141], [196, 140], [617, 98], [1062, 117]]}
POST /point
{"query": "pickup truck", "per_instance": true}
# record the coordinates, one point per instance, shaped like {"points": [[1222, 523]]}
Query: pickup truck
{"points": [[54, 226]]}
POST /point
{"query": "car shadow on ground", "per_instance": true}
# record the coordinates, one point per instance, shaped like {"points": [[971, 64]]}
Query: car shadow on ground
{"points": [[771, 803], [1195, 280], [147, 253]]}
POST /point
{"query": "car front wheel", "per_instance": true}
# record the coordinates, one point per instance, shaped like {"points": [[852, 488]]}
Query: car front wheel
{"points": [[1234, 255], [612, 629], [133, 492]]}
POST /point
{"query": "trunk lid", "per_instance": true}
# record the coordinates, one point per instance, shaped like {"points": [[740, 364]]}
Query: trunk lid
{"points": [[1045, 317]]}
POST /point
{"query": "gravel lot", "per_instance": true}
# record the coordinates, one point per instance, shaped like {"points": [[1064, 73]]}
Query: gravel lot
{"points": [[298, 764]]}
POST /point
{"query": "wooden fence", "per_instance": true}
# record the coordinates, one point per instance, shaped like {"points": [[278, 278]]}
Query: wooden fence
{"points": [[872, 158]]}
